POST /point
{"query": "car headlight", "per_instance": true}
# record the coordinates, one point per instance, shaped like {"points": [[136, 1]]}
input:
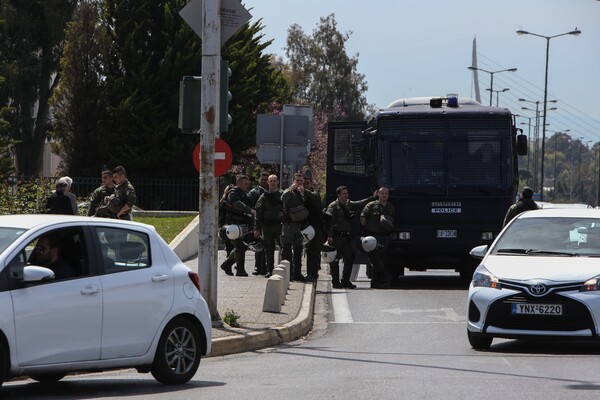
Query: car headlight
{"points": [[484, 278], [591, 285]]}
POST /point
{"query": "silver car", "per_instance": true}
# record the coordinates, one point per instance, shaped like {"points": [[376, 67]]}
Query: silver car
{"points": [[540, 278], [81, 294]]}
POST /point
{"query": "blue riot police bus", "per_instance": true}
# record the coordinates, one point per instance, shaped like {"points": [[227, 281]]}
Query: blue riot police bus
{"points": [[451, 166]]}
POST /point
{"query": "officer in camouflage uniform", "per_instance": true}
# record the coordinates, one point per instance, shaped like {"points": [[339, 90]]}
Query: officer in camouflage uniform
{"points": [[260, 266], [269, 212], [106, 189], [340, 212], [371, 218], [315, 217], [240, 213], [294, 201], [125, 192]]}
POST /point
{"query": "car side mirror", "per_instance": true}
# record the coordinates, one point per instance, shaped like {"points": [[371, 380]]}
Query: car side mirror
{"points": [[479, 251], [33, 273]]}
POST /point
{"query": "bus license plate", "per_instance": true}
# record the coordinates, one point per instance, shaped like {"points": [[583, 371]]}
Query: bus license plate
{"points": [[537, 309], [446, 233]]}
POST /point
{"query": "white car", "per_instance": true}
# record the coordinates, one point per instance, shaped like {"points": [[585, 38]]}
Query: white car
{"points": [[90, 294], [540, 278]]}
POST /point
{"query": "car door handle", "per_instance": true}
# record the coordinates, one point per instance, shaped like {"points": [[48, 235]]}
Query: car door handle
{"points": [[90, 290], [160, 278]]}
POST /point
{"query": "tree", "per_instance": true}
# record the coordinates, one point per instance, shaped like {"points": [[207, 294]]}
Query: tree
{"points": [[6, 143], [76, 102], [256, 83], [321, 72], [151, 49], [30, 45]]}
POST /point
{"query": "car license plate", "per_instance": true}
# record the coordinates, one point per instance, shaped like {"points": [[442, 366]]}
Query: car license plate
{"points": [[446, 233], [537, 309]]}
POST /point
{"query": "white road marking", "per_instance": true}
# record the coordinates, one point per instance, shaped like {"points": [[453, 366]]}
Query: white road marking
{"points": [[447, 314], [341, 310]]}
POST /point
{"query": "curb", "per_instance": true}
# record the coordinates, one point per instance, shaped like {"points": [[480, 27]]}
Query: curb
{"points": [[255, 340]]}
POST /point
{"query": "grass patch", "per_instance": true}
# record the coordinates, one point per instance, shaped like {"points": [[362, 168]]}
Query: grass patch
{"points": [[167, 227]]}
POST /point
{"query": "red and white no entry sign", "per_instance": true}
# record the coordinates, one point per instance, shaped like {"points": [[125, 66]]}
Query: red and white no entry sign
{"points": [[223, 157]]}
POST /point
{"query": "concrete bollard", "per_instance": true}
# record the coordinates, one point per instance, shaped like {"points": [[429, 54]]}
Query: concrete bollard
{"points": [[281, 271], [286, 274], [278, 271], [272, 301], [288, 268]]}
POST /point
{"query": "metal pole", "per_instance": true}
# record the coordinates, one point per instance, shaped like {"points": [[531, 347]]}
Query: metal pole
{"points": [[281, 139], [209, 130], [491, 87], [544, 121]]}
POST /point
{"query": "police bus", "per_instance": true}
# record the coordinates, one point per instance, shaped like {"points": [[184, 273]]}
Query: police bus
{"points": [[451, 166]]}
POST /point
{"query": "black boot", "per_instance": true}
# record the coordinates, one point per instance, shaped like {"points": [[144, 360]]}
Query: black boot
{"points": [[226, 266]]}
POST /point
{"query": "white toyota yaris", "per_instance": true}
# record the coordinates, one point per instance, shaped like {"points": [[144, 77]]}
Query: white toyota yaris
{"points": [[89, 294], [540, 278]]}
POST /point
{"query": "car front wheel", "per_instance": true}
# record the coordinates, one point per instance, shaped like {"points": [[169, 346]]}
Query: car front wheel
{"points": [[479, 341], [178, 353]]}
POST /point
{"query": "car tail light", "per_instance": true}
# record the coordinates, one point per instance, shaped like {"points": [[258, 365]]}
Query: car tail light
{"points": [[195, 280]]}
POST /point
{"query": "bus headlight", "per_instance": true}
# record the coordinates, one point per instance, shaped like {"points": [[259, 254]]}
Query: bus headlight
{"points": [[487, 235], [404, 235]]}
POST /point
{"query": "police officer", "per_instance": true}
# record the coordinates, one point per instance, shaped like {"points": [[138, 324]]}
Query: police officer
{"points": [[242, 214], [315, 217], [269, 212], [378, 219], [295, 219], [525, 203], [124, 191], [340, 212], [106, 189], [260, 267]]}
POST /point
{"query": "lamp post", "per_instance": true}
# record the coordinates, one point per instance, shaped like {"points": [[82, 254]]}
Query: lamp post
{"points": [[575, 32], [498, 93], [491, 77], [537, 138]]}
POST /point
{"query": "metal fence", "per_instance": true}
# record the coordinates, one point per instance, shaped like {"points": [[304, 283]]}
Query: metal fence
{"points": [[152, 194]]}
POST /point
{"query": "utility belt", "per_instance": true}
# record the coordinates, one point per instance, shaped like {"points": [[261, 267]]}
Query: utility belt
{"points": [[340, 234]]}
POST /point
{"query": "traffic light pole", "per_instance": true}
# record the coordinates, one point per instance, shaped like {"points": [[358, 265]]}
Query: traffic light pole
{"points": [[209, 130]]}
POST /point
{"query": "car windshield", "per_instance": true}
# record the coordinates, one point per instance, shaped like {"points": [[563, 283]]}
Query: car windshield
{"points": [[554, 236], [7, 236]]}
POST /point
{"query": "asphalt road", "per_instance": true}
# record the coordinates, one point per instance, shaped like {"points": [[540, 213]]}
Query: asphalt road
{"points": [[405, 343]]}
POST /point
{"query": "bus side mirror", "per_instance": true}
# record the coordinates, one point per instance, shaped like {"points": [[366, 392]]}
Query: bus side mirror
{"points": [[522, 145]]}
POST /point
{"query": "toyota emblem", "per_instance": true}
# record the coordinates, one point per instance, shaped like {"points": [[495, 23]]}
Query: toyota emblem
{"points": [[538, 289]]}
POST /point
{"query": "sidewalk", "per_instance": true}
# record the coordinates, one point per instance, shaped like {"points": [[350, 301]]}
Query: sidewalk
{"points": [[257, 329]]}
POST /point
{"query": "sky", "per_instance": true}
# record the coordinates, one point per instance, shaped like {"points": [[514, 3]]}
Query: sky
{"points": [[423, 48]]}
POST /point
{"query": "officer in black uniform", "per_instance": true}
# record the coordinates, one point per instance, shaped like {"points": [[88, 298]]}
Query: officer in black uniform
{"points": [[378, 219], [315, 217], [340, 212], [260, 266], [269, 212], [240, 213]]}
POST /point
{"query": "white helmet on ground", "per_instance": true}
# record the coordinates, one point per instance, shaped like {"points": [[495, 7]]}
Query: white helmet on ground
{"points": [[328, 253], [368, 243], [308, 233], [233, 232]]}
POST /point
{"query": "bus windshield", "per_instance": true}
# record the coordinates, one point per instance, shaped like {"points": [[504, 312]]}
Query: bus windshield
{"points": [[445, 153]]}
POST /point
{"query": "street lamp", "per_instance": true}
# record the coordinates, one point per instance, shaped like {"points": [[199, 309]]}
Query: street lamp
{"points": [[575, 32], [491, 77], [498, 93], [537, 138]]}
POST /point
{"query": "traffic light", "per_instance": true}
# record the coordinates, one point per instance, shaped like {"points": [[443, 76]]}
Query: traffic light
{"points": [[190, 89], [225, 120]]}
